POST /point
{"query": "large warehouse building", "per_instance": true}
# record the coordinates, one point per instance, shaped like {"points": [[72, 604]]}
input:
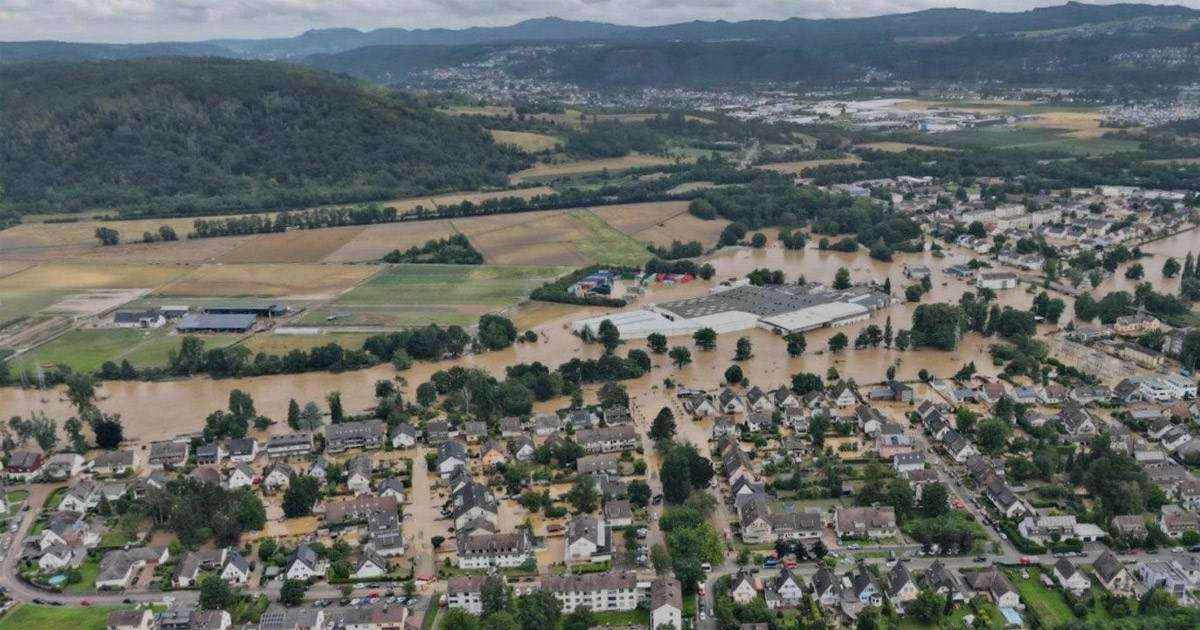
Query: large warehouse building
{"points": [[784, 309]]}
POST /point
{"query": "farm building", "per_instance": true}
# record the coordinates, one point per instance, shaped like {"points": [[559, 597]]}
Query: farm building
{"points": [[146, 319], [216, 323], [258, 310], [173, 311], [783, 309]]}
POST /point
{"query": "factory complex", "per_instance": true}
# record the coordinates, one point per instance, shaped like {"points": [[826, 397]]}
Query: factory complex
{"points": [[784, 309]]}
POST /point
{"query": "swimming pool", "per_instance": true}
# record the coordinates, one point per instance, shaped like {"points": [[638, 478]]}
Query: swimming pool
{"points": [[57, 579]]}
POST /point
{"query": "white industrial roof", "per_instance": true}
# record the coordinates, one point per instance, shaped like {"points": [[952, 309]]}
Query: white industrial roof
{"points": [[815, 316], [638, 324]]}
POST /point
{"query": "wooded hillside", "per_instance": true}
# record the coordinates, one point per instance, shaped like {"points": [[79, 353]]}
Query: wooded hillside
{"points": [[190, 136]]}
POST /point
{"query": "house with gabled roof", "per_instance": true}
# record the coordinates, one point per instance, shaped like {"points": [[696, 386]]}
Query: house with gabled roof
{"points": [[371, 565], [700, 406], [743, 587], [757, 400], [303, 564], [236, 569], [495, 453], [842, 395], [524, 448], [827, 589], [993, 583], [901, 587], [403, 435], [943, 581], [729, 402], [392, 487], [1070, 577], [358, 474], [723, 425], [785, 398], [1112, 574], [278, 475]]}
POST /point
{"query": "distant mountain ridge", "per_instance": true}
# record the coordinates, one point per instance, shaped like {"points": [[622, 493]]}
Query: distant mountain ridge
{"points": [[928, 23]]}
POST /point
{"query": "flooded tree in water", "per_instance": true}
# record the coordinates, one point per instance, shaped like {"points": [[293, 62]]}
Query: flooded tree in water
{"points": [[310, 417]]}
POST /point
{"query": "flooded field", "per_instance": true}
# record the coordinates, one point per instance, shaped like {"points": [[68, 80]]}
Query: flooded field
{"points": [[155, 411]]}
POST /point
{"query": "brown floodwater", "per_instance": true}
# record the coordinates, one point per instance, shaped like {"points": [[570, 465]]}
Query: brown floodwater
{"points": [[160, 410]]}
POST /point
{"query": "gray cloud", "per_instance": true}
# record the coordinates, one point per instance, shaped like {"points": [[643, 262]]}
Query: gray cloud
{"points": [[122, 21]]}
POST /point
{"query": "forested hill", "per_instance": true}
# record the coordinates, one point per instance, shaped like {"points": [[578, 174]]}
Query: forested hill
{"points": [[197, 135]]}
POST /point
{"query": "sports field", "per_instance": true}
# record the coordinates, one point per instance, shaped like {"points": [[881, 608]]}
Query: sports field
{"points": [[85, 350]]}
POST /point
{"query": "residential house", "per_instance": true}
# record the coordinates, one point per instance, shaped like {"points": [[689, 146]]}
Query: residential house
{"points": [[141, 619], [993, 583], [115, 462], [666, 603], [289, 445], [358, 474], [842, 395], [827, 590], [959, 447], [1176, 524], [901, 587], [1130, 525], [482, 551], [278, 475], [588, 540], [866, 588], [242, 476], [785, 590], [729, 402], [546, 424], [319, 469], [474, 431], [392, 487], [117, 567], [303, 564], [585, 419], [1164, 575], [209, 454], [992, 393], [758, 401], [617, 415], [403, 436], [865, 522], [495, 453], [608, 439], [618, 513], [723, 425], [471, 503], [905, 462], [524, 449], [757, 422], [996, 280], [451, 456], [365, 434], [370, 566], [700, 406], [236, 569], [943, 581], [464, 593], [243, 450], [1070, 577], [1112, 574], [187, 573], [784, 398], [64, 465], [163, 454], [601, 592], [437, 432], [743, 587], [81, 497]]}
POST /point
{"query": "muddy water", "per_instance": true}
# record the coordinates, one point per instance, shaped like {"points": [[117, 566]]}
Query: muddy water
{"points": [[154, 411], [1176, 246]]}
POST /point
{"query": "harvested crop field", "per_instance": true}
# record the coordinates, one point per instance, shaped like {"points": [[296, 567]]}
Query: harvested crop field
{"points": [[590, 166], [296, 246], [531, 142], [183, 251], [540, 228], [540, 254], [387, 316], [406, 205], [9, 267], [84, 232], [92, 276], [373, 242], [633, 217], [1075, 124], [682, 227], [796, 168], [607, 245], [294, 281], [899, 147]]}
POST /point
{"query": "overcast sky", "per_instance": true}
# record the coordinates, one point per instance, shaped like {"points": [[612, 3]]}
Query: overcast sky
{"points": [[121, 21]]}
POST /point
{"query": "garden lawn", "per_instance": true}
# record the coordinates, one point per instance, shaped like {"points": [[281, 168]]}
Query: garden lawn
{"points": [[29, 617], [1047, 604], [635, 617], [87, 572]]}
